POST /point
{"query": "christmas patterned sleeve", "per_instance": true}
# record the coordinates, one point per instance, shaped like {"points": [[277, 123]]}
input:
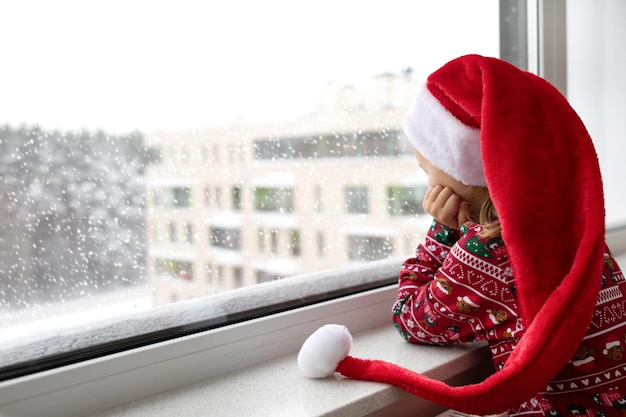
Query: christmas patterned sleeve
{"points": [[458, 293], [429, 255], [422, 268]]}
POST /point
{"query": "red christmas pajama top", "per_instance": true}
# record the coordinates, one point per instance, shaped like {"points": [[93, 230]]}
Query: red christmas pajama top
{"points": [[461, 288]]}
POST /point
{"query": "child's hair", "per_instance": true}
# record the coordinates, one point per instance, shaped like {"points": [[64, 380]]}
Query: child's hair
{"points": [[484, 213]]}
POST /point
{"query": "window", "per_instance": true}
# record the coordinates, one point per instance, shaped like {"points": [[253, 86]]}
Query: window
{"points": [[356, 198], [238, 277], [225, 238], [321, 247], [261, 240], [113, 179], [143, 111], [172, 231], [173, 197], [189, 237], [217, 194], [220, 275], [336, 145], [274, 241], [296, 244], [236, 198], [175, 269], [274, 199], [601, 106], [404, 201], [369, 248], [207, 196], [264, 276]]}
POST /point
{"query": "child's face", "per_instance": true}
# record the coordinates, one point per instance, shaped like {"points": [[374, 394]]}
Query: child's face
{"points": [[438, 177]]}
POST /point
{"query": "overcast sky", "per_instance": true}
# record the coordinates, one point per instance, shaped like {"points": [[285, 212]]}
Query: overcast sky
{"points": [[121, 65]]}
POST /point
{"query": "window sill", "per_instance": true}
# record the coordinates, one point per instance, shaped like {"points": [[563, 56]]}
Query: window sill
{"points": [[216, 365], [276, 387]]}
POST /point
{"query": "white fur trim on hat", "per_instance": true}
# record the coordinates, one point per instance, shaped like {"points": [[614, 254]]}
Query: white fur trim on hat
{"points": [[444, 140]]}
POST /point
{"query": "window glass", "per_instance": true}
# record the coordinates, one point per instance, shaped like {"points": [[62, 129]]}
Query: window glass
{"points": [[363, 248], [403, 201], [157, 152], [356, 199], [273, 199], [225, 238], [236, 198], [596, 87]]}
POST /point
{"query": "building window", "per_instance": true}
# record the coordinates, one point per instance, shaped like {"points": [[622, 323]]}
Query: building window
{"points": [[218, 197], [225, 238], [173, 197], [405, 201], [274, 241], [356, 199], [238, 276], [261, 240], [273, 199], [173, 268], [369, 248], [321, 246], [334, 145], [220, 275], [172, 232], [296, 243], [262, 276], [189, 238], [236, 198], [266, 276]]}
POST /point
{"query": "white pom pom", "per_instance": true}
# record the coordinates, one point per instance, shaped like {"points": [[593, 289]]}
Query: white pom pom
{"points": [[323, 350]]}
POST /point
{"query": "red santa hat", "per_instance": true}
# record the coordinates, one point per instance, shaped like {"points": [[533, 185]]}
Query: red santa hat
{"points": [[485, 122]]}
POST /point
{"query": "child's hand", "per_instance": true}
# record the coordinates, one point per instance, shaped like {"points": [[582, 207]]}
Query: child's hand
{"points": [[446, 207]]}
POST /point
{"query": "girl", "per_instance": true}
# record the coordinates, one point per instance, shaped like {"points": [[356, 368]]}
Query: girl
{"points": [[515, 255], [444, 298]]}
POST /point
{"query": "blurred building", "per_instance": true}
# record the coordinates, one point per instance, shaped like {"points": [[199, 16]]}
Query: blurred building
{"points": [[248, 203]]}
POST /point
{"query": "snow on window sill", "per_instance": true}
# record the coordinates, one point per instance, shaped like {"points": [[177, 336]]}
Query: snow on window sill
{"points": [[212, 311]]}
